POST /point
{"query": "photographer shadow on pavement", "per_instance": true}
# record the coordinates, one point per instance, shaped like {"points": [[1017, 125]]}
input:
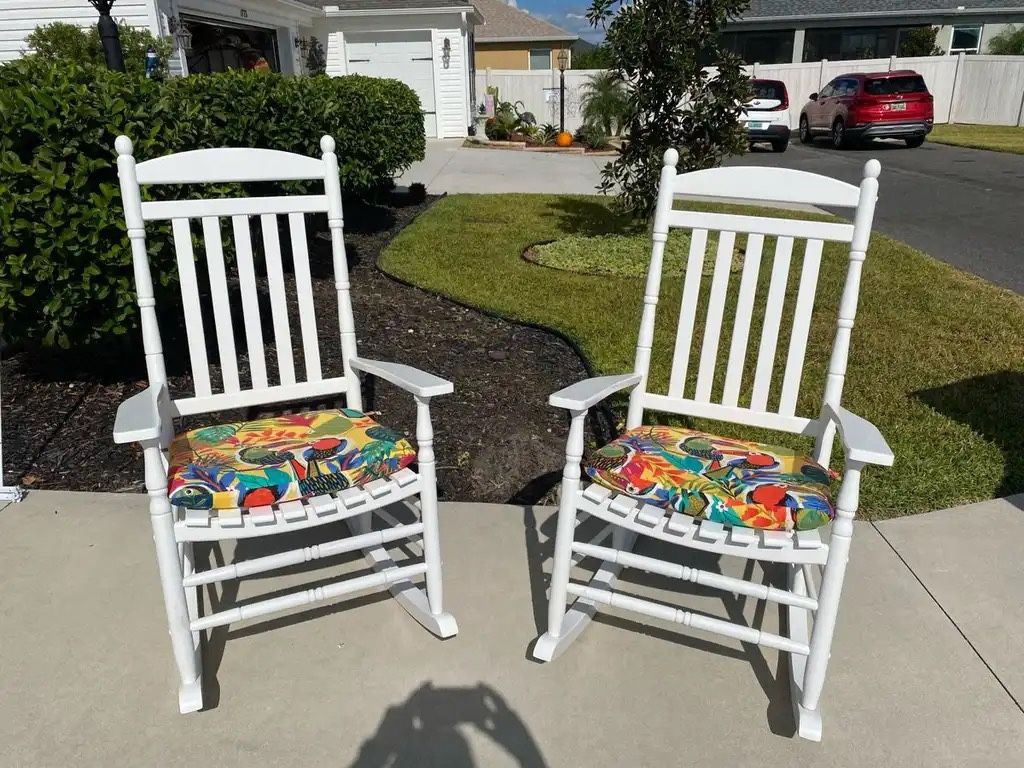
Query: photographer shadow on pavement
{"points": [[424, 730]]}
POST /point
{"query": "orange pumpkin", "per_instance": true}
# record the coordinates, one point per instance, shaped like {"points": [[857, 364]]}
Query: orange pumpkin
{"points": [[564, 139]]}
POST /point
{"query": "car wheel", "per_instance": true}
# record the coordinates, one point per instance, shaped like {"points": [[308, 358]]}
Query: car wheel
{"points": [[914, 142], [779, 146], [839, 134], [805, 131]]}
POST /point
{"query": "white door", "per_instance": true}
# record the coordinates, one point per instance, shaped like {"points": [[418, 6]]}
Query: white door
{"points": [[405, 56]]}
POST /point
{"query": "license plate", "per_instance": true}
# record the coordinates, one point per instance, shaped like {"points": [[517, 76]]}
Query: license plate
{"points": [[757, 126], [899, 106]]}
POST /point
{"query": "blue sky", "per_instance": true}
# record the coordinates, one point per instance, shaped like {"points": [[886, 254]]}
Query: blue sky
{"points": [[570, 15]]}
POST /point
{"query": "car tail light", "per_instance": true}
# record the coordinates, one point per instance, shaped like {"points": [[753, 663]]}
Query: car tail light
{"points": [[783, 105]]}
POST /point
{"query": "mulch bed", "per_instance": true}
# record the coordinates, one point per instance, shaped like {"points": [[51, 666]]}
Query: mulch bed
{"points": [[496, 438]]}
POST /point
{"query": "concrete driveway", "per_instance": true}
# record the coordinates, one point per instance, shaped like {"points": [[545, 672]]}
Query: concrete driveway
{"points": [[959, 205], [925, 669]]}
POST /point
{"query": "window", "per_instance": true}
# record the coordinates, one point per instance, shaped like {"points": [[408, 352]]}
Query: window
{"points": [[838, 44], [965, 39], [768, 47], [889, 86], [540, 58], [828, 91]]}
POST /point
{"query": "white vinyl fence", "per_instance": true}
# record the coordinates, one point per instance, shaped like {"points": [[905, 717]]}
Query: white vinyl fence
{"points": [[967, 89]]}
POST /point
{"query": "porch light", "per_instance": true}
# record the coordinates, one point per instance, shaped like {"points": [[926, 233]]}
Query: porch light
{"points": [[180, 31], [446, 52], [563, 60]]}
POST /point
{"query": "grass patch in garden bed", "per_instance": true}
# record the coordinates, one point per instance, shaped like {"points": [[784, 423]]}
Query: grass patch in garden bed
{"points": [[999, 138], [936, 357], [621, 255]]}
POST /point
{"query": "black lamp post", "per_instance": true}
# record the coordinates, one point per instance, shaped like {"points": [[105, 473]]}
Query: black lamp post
{"points": [[563, 62], [109, 36]]}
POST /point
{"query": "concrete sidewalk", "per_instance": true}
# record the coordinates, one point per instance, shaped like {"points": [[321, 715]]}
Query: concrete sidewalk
{"points": [[451, 168], [924, 669]]}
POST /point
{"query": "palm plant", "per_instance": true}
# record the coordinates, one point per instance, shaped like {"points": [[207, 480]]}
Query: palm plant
{"points": [[605, 102]]}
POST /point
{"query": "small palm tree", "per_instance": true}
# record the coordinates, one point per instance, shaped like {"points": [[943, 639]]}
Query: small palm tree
{"points": [[605, 102]]}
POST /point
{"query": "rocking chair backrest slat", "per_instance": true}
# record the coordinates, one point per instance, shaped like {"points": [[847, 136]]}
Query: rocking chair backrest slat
{"points": [[741, 326], [801, 327], [304, 289], [716, 308], [688, 311], [746, 234], [771, 324], [255, 254], [194, 330], [250, 301], [278, 299], [221, 306]]}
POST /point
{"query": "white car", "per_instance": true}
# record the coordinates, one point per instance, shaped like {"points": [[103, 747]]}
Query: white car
{"points": [[766, 116]]}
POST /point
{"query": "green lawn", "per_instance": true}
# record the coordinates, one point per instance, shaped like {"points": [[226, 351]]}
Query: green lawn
{"points": [[937, 360], [1000, 138]]}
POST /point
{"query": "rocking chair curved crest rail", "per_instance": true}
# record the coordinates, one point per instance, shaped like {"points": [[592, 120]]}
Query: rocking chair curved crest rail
{"points": [[633, 507], [300, 476]]}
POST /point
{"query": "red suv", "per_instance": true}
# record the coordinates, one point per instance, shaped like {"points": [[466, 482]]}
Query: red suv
{"points": [[872, 105]]}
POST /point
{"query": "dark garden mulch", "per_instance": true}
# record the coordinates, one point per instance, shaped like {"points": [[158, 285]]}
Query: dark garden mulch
{"points": [[496, 438]]}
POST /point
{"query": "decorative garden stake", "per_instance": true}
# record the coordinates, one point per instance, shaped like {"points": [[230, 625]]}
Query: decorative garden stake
{"points": [[151, 62], [109, 36]]}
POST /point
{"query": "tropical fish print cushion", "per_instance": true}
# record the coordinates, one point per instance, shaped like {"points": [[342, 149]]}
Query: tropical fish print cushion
{"points": [[728, 481], [286, 458]]}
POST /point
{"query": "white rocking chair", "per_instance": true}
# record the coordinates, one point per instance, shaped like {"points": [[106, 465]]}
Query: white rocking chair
{"points": [[148, 417], [811, 609]]}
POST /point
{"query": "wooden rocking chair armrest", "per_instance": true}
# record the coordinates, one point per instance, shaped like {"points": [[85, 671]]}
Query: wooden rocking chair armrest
{"points": [[862, 442], [587, 393], [413, 380], [141, 417]]}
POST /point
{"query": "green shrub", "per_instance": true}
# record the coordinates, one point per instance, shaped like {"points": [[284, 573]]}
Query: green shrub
{"points": [[65, 271], [70, 44], [592, 136]]}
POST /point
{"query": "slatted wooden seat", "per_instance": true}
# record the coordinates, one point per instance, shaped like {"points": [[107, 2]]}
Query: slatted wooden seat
{"points": [[713, 394], [149, 417]]}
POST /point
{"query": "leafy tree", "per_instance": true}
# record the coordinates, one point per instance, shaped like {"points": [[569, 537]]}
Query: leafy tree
{"points": [[605, 102], [71, 44], [1009, 42], [597, 57], [919, 41], [656, 48]]}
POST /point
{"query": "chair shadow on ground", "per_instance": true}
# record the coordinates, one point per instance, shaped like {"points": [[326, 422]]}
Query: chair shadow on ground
{"points": [[992, 405], [226, 595], [425, 730], [775, 684]]}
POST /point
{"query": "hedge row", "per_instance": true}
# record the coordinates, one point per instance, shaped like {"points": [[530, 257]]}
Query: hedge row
{"points": [[65, 272]]}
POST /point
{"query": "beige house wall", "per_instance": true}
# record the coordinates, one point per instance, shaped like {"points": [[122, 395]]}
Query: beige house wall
{"points": [[513, 55]]}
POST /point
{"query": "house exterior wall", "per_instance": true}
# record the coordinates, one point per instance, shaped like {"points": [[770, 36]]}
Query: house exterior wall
{"points": [[513, 55], [991, 24], [18, 18], [451, 81]]}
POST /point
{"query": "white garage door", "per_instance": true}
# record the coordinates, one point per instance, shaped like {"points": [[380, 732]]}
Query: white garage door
{"points": [[405, 56]]}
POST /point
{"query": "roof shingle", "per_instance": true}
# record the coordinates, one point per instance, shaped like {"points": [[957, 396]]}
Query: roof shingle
{"points": [[774, 9], [505, 22], [390, 5]]}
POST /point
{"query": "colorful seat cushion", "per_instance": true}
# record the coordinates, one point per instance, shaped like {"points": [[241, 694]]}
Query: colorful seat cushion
{"points": [[286, 458], [729, 481]]}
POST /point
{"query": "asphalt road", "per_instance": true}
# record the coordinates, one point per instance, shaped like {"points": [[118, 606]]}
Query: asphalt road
{"points": [[963, 206]]}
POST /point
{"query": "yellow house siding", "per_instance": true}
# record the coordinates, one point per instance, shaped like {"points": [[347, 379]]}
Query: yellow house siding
{"points": [[512, 55]]}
